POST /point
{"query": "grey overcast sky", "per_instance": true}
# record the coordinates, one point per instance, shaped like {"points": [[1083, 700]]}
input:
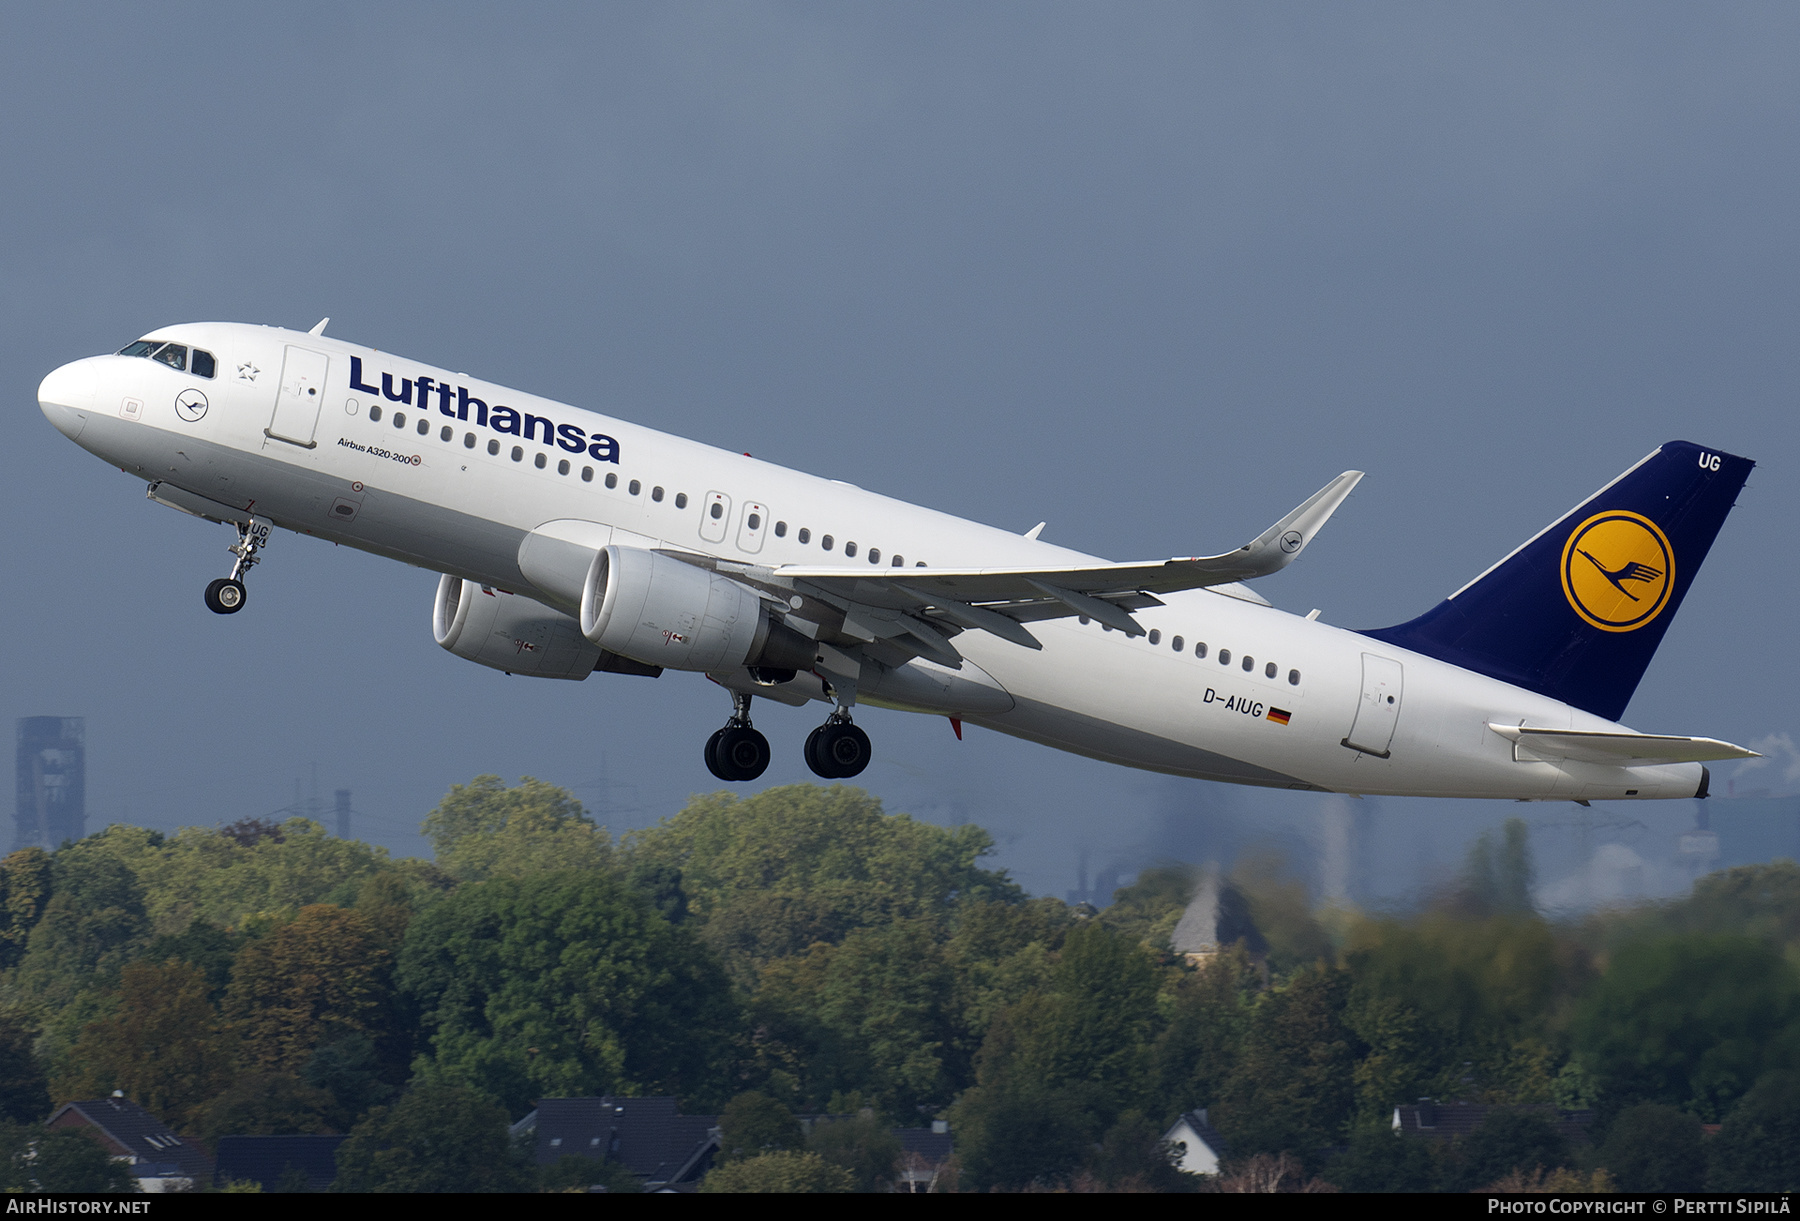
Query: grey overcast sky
{"points": [[1153, 272]]}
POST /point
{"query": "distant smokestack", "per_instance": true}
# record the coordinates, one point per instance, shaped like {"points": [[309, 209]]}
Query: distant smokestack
{"points": [[52, 781], [343, 813]]}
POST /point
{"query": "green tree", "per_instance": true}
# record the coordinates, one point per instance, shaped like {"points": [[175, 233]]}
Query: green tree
{"points": [[93, 923], [1654, 1148], [872, 1015], [1690, 1020], [863, 1144], [1012, 1131], [565, 985], [753, 1124], [1442, 997], [164, 1045], [318, 978], [1758, 1145], [351, 1073], [24, 891], [1507, 1140], [786, 1172], [766, 876], [206, 946], [265, 1104], [24, 1091], [484, 829], [1379, 1159], [1196, 1054], [436, 1138], [999, 952], [1132, 1156], [70, 1160], [1293, 1087]]}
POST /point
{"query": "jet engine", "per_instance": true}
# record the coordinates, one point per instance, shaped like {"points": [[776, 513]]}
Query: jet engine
{"points": [[510, 632], [664, 612]]}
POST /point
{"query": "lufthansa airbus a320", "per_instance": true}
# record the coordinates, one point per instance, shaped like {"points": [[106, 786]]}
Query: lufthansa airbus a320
{"points": [[571, 542]]}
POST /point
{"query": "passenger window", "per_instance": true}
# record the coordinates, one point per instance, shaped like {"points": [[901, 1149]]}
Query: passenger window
{"points": [[518, 453], [612, 479], [1249, 663], [681, 500], [804, 537], [1293, 678], [717, 511], [634, 487], [1155, 636], [850, 549], [202, 364], [656, 494], [826, 542], [399, 419], [754, 521], [920, 564], [1175, 644], [1224, 657], [493, 448], [446, 433], [1269, 670], [374, 413], [899, 561], [562, 468], [173, 355], [424, 426], [1083, 620], [874, 555], [468, 440], [780, 529], [1200, 648], [587, 474], [540, 462]]}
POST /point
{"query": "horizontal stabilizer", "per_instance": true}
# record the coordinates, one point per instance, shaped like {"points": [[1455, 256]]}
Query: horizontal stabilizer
{"points": [[1618, 749]]}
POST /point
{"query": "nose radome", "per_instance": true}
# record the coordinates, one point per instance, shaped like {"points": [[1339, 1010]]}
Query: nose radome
{"points": [[66, 396]]}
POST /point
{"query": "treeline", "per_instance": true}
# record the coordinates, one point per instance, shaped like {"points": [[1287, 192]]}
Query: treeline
{"points": [[802, 951]]}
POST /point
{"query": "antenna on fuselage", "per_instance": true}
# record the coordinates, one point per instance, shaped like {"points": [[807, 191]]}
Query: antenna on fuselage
{"points": [[319, 329]]}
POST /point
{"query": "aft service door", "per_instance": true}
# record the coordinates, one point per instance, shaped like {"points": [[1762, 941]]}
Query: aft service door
{"points": [[297, 402], [1379, 709]]}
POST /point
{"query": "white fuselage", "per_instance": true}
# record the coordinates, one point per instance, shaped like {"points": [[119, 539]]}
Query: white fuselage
{"points": [[414, 486]]}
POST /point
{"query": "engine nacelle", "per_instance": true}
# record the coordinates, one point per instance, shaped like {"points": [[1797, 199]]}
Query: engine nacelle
{"points": [[661, 611], [510, 632]]}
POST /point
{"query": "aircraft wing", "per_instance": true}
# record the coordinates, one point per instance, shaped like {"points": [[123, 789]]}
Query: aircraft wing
{"points": [[1000, 600], [1618, 749]]}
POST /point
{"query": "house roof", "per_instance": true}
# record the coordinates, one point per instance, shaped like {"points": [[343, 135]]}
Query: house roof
{"points": [[1445, 1120], [649, 1136], [934, 1147], [154, 1149], [266, 1159], [1196, 1122]]}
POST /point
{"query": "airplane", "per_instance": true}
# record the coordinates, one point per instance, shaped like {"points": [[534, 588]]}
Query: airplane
{"points": [[569, 543]]}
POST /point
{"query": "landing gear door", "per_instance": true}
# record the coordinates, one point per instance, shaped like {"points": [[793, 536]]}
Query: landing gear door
{"points": [[298, 400], [1379, 709]]}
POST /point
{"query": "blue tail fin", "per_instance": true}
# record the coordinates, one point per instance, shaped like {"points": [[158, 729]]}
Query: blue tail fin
{"points": [[1577, 612]]}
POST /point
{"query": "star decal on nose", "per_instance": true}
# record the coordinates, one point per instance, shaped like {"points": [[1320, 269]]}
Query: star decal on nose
{"points": [[247, 372]]}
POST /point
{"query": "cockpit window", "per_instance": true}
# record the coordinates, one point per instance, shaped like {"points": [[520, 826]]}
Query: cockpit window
{"points": [[174, 355]]}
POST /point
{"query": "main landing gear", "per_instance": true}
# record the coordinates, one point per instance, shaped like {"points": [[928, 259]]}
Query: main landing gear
{"points": [[226, 596], [837, 750], [738, 751]]}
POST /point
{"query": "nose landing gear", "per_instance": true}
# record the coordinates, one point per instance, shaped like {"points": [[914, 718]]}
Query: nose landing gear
{"points": [[737, 752], [838, 750], [226, 596]]}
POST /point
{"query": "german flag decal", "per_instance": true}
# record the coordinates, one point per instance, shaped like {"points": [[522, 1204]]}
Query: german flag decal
{"points": [[1280, 715]]}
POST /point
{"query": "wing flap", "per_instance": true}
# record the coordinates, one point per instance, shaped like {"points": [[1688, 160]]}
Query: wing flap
{"points": [[1617, 749]]}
